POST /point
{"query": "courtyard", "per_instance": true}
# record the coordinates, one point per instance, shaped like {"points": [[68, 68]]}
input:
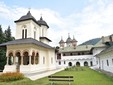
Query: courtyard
{"points": [[82, 76]]}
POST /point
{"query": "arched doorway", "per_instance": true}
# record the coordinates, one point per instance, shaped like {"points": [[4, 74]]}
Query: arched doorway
{"points": [[77, 63], [10, 59], [37, 58], [25, 58], [70, 64], [85, 63], [33, 58]]}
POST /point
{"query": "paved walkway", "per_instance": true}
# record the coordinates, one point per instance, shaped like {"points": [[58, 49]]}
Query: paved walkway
{"points": [[103, 71], [0, 72], [38, 75]]}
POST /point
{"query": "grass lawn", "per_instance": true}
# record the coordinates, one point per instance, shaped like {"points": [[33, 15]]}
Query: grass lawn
{"points": [[82, 76]]}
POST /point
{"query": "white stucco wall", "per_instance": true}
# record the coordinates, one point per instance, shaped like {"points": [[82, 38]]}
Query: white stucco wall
{"points": [[97, 50], [74, 59], [31, 26], [104, 65], [44, 64]]}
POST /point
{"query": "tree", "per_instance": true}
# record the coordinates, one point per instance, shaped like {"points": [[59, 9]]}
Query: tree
{"points": [[1, 35], [8, 36], [4, 37], [2, 58]]}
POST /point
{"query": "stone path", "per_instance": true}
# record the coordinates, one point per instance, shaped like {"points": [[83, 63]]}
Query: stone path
{"points": [[38, 75], [0, 72], [105, 72]]}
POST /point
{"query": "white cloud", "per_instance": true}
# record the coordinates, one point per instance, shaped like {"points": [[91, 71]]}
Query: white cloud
{"points": [[94, 20]]}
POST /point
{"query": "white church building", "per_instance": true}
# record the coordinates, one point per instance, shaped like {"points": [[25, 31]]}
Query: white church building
{"points": [[85, 54], [105, 57], [30, 51]]}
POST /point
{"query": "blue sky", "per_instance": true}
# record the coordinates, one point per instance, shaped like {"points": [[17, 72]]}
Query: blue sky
{"points": [[64, 7], [85, 19]]}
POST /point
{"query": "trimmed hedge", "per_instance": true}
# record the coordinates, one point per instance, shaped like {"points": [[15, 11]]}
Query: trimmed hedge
{"points": [[11, 76]]}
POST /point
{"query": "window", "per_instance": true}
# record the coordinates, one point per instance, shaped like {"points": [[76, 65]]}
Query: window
{"points": [[34, 34], [97, 62], [43, 60], [71, 54], [64, 62], [59, 62], [51, 60], [107, 63], [78, 53], [64, 54], [83, 53], [25, 33], [37, 58], [22, 34]]}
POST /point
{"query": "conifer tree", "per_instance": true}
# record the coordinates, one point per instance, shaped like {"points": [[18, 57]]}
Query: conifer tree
{"points": [[1, 35], [4, 37], [8, 36], [2, 50]]}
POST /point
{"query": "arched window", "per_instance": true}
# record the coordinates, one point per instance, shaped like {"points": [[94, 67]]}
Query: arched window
{"points": [[70, 63], [85, 63], [24, 31], [64, 62], [37, 59], [59, 62], [25, 58], [32, 58], [77, 63], [34, 34]]}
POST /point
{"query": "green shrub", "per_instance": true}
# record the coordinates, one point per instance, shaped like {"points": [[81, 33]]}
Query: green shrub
{"points": [[11, 76]]}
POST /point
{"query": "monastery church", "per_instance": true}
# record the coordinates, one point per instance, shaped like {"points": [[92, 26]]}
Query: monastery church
{"points": [[30, 52]]}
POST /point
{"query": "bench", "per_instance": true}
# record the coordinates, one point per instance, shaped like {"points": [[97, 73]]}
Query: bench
{"points": [[64, 79]]}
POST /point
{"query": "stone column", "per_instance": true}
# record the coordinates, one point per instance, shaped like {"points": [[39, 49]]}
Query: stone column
{"points": [[7, 60], [30, 59], [14, 60], [21, 60]]}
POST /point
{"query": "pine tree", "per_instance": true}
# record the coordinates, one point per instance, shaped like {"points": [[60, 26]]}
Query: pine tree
{"points": [[2, 50], [1, 35], [4, 37], [8, 36]]}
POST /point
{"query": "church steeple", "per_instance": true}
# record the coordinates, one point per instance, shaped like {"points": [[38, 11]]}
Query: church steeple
{"points": [[62, 43], [42, 22], [69, 40], [28, 16], [74, 42]]}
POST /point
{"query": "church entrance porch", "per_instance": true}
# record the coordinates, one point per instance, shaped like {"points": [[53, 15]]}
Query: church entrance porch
{"points": [[22, 60]]}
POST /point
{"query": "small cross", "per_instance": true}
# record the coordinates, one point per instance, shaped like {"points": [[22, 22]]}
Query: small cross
{"points": [[29, 8], [41, 14]]}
